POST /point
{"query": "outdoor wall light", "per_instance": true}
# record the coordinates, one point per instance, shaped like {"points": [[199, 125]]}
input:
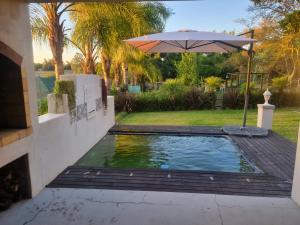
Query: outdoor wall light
{"points": [[267, 95]]}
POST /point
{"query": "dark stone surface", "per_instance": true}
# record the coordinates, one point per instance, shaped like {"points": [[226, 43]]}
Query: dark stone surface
{"points": [[245, 131]]}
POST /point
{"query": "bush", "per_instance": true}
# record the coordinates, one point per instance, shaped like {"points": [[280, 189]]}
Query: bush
{"points": [[188, 69], [233, 99], [42, 106], [279, 83], [165, 100], [193, 98], [173, 87], [285, 98], [213, 83], [66, 87], [243, 87]]}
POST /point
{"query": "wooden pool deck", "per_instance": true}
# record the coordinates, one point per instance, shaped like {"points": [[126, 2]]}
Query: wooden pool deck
{"points": [[273, 155]]}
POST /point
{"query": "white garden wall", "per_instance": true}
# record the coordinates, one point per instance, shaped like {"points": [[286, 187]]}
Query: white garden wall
{"points": [[62, 142]]}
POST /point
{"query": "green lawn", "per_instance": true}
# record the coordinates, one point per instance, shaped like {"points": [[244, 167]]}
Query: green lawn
{"points": [[286, 120]]}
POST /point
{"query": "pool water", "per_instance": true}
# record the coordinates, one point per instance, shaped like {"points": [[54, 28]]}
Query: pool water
{"points": [[209, 153]]}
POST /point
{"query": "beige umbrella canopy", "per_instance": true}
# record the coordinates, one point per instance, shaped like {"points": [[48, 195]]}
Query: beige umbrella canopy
{"points": [[198, 41], [189, 41]]}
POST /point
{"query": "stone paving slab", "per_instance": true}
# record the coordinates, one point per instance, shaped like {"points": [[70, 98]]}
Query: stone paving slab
{"points": [[93, 207]]}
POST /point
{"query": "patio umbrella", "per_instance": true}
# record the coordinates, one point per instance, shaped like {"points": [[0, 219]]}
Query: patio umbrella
{"points": [[197, 41]]}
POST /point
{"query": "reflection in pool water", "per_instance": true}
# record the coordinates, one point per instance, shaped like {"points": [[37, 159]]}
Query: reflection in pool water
{"points": [[208, 153]]}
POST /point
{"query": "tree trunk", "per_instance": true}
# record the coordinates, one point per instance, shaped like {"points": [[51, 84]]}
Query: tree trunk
{"points": [[57, 51], [296, 71], [117, 75], [134, 76], [106, 64], [89, 64], [59, 69], [56, 37], [125, 73]]}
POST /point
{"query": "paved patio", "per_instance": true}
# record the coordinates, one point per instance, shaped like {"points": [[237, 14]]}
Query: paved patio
{"points": [[90, 206]]}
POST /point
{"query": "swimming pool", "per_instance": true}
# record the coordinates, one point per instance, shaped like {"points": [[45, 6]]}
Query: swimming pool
{"points": [[208, 153]]}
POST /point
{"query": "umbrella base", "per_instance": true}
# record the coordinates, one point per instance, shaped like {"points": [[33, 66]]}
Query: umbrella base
{"points": [[245, 131]]}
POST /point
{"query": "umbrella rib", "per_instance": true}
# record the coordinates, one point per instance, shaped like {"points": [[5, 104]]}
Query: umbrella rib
{"points": [[221, 42], [153, 47], [195, 43], [168, 43], [179, 45], [138, 46], [202, 45], [230, 45]]}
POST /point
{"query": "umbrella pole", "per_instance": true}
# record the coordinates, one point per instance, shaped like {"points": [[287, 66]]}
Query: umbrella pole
{"points": [[249, 71]]}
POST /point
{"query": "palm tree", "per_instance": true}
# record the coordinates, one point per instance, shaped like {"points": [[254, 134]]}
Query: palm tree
{"points": [[142, 67], [121, 57], [47, 24], [110, 23]]}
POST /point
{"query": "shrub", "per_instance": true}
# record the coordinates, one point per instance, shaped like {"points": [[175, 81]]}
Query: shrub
{"points": [[42, 106], [233, 99], [173, 87], [162, 100], [279, 83], [285, 98], [213, 83], [188, 69], [124, 102], [243, 87], [66, 87]]}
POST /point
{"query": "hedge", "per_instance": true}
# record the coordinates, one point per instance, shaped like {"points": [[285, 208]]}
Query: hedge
{"points": [[196, 99], [191, 99], [235, 100]]}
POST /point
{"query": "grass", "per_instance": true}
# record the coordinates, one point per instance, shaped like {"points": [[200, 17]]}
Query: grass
{"points": [[285, 122]]}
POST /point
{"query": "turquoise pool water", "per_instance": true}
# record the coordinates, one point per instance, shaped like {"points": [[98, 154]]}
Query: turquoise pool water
{"points": [[207, 153]]}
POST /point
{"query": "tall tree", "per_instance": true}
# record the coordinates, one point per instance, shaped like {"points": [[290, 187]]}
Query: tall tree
{"points": [[47, 24]]}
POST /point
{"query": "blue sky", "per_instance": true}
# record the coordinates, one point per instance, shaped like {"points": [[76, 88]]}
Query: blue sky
{"points": [[205, 15]]}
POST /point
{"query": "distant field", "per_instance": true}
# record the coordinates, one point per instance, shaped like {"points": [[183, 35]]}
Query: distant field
{"points": [[50, 73], [45, 73], [286, 120]]}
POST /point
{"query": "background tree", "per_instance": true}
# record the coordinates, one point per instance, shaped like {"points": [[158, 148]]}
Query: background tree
{"points": [[47, 24], [277, 52], [76, 64], [188, 69], [166, 62], [273, 9]]}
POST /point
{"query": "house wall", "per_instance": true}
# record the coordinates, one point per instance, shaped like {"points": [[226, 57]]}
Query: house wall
{"points": [[54, 142]]}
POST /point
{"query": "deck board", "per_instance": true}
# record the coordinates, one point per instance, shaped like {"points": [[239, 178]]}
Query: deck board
{"points": [[178, 181], [274, 155]]}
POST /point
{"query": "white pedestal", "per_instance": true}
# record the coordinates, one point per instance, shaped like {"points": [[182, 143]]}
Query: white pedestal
{"points": [[265, 116], [296, 180]]}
